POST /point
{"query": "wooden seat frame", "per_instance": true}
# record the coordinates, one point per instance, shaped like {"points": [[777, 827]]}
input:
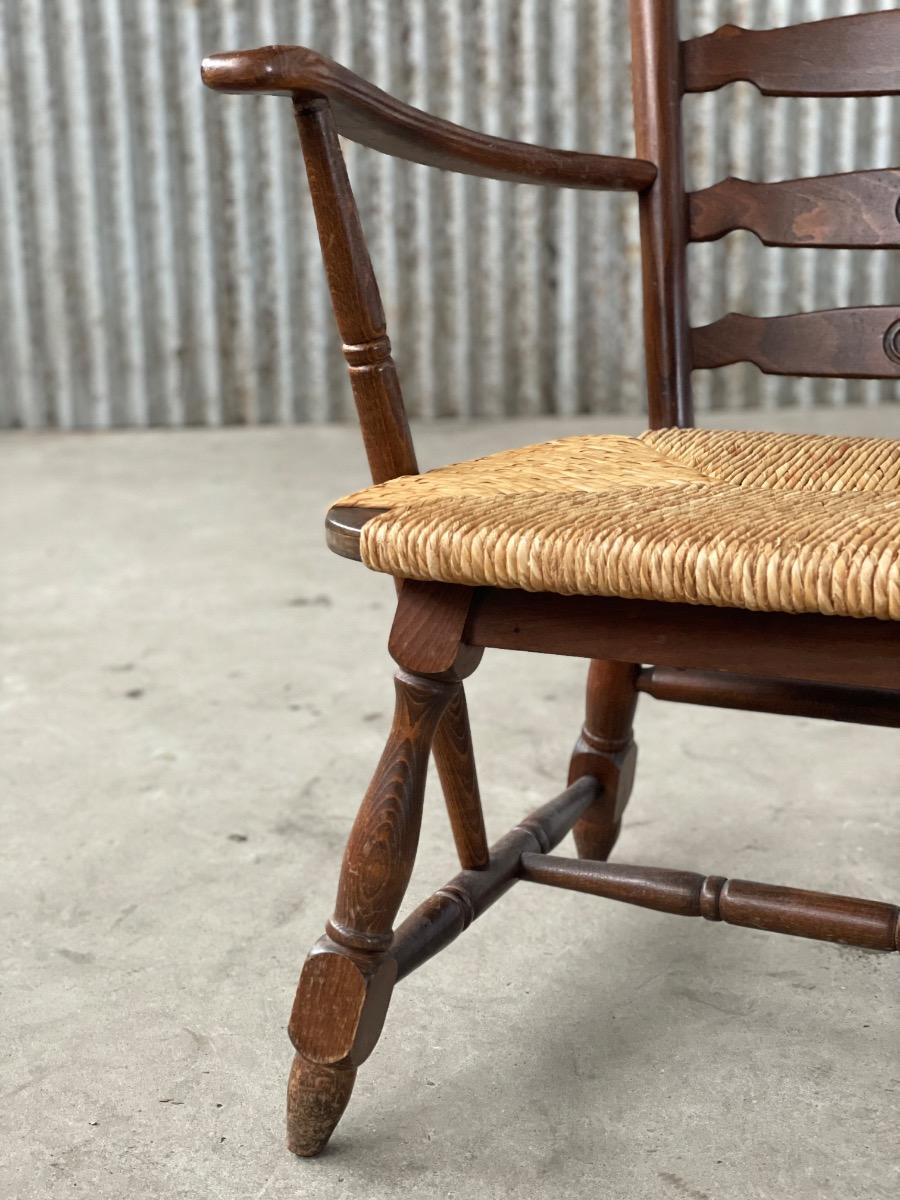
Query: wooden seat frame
{"points": [[836, 668]]}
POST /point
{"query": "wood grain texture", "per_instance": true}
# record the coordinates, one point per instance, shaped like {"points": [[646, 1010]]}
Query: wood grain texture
{"points": [[859, 706], [840, 56], [346, 983], [656, 88], [317, 1097], [355, 298], [382, 845], [441, 918], [845, 343], [819, 915], [366, 114], [454, 757], [835, 667], [857, 209], [428, 627], [605, 750], [841, 650]]}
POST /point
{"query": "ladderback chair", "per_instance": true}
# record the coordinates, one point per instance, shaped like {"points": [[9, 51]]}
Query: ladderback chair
{"points": [[745, 570]]}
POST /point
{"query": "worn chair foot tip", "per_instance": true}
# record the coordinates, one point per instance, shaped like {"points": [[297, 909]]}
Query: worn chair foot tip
{"points": [[317, 1097]]}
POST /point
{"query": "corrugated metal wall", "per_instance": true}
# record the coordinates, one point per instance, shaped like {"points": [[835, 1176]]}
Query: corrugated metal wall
{"points": [[159, 261]]}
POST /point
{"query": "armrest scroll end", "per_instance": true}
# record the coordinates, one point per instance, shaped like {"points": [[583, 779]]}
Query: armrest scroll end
{"points": [[268, 70]]}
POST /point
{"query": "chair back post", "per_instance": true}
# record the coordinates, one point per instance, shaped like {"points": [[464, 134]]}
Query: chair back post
{"points": [[657, 87], [355, 298]]}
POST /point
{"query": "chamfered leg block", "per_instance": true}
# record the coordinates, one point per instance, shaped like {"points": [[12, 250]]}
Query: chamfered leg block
{"points": [[346, 983], [606, 750]]}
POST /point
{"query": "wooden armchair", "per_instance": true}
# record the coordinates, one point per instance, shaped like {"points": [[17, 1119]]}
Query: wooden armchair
{"points": [[749, 571]]}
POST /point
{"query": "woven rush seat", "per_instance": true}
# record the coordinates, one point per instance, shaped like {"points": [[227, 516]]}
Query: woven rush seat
{"points": [[772, 522]]}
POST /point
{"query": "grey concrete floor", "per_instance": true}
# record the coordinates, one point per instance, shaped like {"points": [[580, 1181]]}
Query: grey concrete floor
{"points": [[194, 694]]}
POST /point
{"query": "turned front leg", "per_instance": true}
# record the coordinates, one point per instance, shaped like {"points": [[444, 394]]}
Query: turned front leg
{"points": [[346, 983], [606, 750]]}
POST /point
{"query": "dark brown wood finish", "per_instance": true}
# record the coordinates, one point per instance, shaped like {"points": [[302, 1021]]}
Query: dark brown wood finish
{"points": [[841, 56], [836, 650], [342, 528], [605, 749], [451, 910], [355, 298], [428, 627], [790, 697], [858, 209], [455, 763], [850, 343], [820, 915], [656, 86], [346, 983], [366, 114], [813, 665]]}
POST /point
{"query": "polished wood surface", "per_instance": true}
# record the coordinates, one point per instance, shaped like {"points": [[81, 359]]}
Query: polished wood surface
{"points": [[345, 986], [455, 761], [789, 697], [606, 750], [831, 667], [841, 650], [428, 626], [849, 343], [388, 823], [656, 88], [857, 209], [840, 56], [819, 915], [342, 526], [441, 918], [355, 297], [365, 114]]}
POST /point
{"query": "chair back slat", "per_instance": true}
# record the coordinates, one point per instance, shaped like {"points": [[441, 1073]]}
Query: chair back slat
{"points": [[841, 56], [859, 209], [845, 343]]}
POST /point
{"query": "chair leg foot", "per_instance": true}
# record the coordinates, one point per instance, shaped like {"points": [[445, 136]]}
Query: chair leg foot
{"points": [[606, 750], [346, 982], [316, 1099]]}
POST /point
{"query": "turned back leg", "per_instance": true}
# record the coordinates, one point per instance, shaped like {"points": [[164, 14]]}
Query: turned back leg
{"points": [[606, 750], [455, 761]]}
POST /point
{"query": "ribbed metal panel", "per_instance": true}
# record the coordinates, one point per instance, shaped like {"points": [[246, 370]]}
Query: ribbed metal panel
{"points": [[158, 254]]}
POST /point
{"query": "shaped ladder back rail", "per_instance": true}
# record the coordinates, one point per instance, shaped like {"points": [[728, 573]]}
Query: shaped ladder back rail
{"points": [[851, 343], [859, 209], [815, 665], [856, 55], [841, 56]]}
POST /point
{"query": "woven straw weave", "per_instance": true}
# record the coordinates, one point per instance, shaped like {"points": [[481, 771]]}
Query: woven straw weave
{"points": [[774, 522]]}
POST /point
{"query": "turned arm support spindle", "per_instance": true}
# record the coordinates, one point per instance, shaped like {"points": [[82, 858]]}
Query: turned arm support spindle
{"points": [[330, 100], [355, 297]]}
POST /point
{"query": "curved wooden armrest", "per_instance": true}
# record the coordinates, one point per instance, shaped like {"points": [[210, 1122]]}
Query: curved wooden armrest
{"points": [[367, 115]]}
